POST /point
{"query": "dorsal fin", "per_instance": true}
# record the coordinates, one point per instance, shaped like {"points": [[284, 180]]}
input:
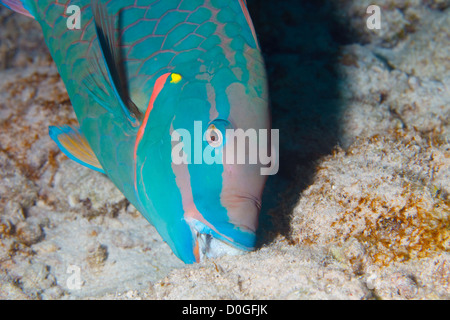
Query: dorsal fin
{"points": [[244, 8], [74, 145], [112, 56]]}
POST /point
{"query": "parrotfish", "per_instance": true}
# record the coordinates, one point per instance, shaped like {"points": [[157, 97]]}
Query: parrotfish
{"points": [[138, 72]]}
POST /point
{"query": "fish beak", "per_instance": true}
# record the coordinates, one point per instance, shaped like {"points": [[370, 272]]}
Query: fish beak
{"points": [[212, 242], [209, 247]]}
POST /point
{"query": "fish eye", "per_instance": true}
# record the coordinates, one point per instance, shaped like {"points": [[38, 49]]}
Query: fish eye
{"points": [[214, 136]]}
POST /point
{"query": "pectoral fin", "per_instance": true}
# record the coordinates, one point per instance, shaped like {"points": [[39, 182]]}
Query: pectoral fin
{"points": [[110, 48], [74, 145], [20, 6]]}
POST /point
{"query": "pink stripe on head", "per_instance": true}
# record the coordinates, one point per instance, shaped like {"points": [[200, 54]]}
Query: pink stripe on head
{"points": [[191, 212], [159, 85]]}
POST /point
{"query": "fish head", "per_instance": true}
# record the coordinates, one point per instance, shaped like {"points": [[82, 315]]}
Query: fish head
{"points": [[199, 166]]}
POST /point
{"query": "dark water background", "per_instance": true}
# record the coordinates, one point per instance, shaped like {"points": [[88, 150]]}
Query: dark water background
{"points": [[300, 41]]}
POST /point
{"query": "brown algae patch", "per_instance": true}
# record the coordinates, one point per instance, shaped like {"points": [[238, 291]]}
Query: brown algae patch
{"points": [[417, 229], [386, 192]]}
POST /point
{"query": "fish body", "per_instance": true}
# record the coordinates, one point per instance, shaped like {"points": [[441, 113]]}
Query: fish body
{"points": [[136, 71]]}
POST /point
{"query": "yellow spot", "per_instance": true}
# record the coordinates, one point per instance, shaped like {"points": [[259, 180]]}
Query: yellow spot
{"points": [[175, 78]]}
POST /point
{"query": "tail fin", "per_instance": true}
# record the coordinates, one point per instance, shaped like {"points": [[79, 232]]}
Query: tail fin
{"points": [[20, 6]]}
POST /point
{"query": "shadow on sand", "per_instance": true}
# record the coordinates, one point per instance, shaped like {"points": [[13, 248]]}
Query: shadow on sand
{"points": [[300, 41]]}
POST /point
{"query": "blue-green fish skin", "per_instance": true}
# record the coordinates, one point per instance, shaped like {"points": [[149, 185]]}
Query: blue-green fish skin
{"points": [[184, 61]]}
